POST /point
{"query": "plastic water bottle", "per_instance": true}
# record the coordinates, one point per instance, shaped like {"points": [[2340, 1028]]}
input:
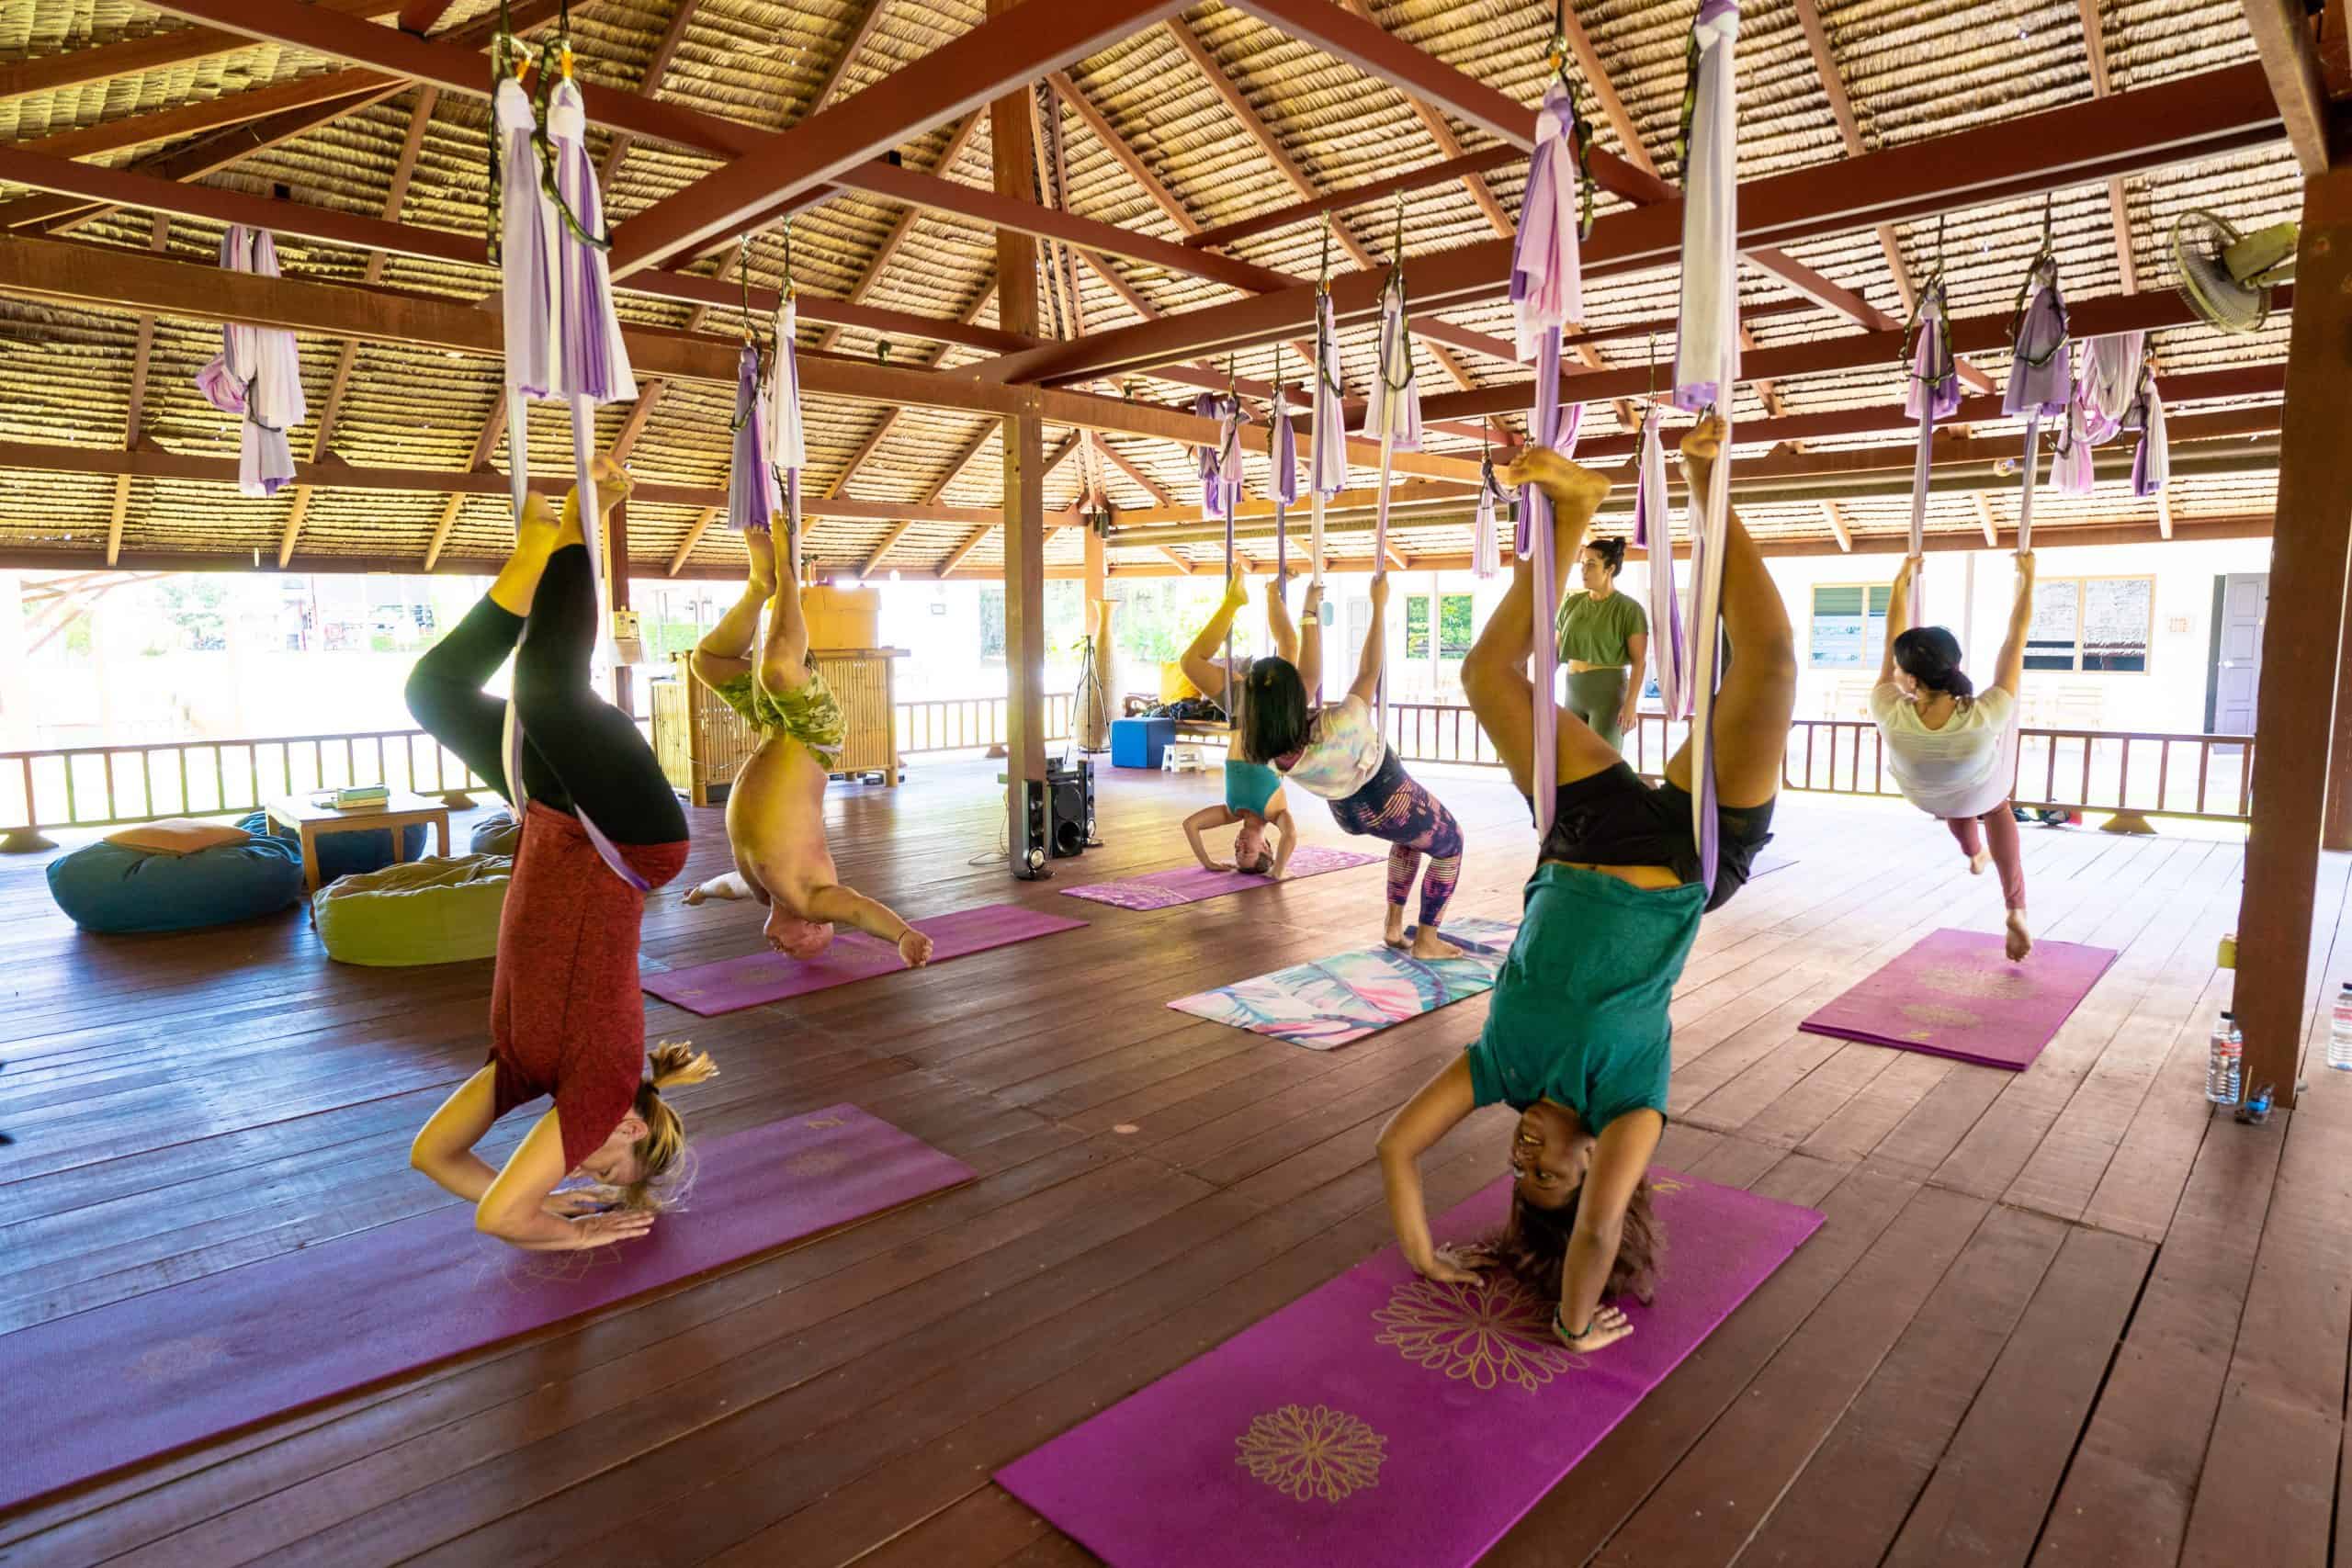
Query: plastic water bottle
{"points": [[2339, 1032], [2222, 1061]]}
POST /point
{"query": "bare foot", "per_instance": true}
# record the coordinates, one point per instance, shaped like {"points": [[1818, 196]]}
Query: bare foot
{"points": [[1978, 862], [695, 894], [760, 545], [2021, 943], [1428, 944], [1704, 441], [1576, 491], [1394, 935]]}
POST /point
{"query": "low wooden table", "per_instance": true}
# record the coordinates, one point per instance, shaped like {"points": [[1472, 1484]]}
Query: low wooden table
{"points": [[310, 821]]}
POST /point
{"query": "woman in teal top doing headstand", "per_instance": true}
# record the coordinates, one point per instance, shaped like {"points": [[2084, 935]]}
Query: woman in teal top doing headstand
{"points": [[1253, 791], [1605, 642], [1577, 1036]]}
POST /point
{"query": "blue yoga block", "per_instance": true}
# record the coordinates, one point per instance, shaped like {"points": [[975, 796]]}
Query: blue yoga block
{"points": [[1138, 742]]}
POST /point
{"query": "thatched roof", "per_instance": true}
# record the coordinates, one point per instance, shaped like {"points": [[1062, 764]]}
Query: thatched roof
{"points": [[1912, 71]]}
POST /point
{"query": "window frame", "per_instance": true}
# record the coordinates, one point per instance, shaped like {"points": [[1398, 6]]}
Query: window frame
{"points": [[2082, 621], [1867, 664]]}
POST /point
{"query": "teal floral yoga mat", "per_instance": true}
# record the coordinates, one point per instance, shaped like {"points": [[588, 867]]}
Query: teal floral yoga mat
{"points": [[1335, 1001]]}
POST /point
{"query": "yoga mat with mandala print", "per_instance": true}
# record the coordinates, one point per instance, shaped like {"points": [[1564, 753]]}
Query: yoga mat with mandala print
{"points": [[1385, 1419], [1957, 995], [1335, 1001]]}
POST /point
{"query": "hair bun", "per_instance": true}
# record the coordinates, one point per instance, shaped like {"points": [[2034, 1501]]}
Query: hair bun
{"points": [[677, 1064]]}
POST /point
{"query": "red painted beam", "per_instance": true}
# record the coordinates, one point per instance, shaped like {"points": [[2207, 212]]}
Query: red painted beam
{"points": [[1003, 53], [2186, 120], [1970, 334]]}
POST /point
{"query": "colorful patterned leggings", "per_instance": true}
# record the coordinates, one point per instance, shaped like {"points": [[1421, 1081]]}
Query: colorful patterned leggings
{"points": [[1391, 806]]}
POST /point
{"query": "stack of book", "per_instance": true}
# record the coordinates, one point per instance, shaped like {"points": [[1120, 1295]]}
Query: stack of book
{"points": [[361, 798]]}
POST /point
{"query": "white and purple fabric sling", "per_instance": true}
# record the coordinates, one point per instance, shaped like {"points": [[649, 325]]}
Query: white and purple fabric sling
{"points": [[788, 437], [258, 375], [1392, 412], [1932, 393], [751, 499], [1654, 534], [1327, 438], [1282, 451], [2041, 374], [1706, 367]]}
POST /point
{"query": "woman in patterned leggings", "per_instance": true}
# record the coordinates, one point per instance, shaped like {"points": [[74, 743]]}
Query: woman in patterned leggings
{"points": [[1340, 755]]}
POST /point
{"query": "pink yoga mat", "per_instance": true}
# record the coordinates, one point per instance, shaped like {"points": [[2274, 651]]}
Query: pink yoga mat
{"points": [[133, 1380], [1958, 995], [1385, 1420], [1190, 885], [732, 984]]}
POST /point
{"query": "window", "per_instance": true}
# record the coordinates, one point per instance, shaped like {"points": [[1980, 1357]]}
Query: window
{"points": [[993, 624], [1848, 624], [2091, 623], [1417, 626], [1454, 618]]}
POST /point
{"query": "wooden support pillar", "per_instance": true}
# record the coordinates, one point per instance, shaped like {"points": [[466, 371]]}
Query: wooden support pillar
{"points": [[2302, 645], [1025, 473], [616, 567]]}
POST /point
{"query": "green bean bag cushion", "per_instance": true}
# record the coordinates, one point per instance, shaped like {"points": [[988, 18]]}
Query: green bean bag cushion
{"points": [[347, 855], [119, 889], [424, 911], [496, 834]]}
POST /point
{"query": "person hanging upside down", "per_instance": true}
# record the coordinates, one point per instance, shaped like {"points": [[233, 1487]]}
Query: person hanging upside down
{"points": [[1578, 1037], [775, 812], [1953, 750], [566, 1017], [1605, 642], [1338, 753], [1253, 791]]}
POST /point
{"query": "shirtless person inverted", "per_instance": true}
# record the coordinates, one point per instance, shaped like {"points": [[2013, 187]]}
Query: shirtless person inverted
{"points": [[775, 812]]}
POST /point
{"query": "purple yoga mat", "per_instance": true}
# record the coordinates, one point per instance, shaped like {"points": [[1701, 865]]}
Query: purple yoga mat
{"points": [[733, 984], [133, 1380], [1387, 1419], [1190, 885], [1958, 995]]}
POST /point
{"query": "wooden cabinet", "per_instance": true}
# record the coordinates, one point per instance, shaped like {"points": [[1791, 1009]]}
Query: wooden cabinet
{"points": [[702, 744]]}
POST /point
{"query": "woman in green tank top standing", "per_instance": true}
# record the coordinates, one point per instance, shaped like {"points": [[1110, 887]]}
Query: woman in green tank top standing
{"points": [[1605, 642]]}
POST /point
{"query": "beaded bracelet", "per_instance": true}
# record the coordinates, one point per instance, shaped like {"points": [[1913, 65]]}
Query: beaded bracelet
{"points": [[1561, 1328]]}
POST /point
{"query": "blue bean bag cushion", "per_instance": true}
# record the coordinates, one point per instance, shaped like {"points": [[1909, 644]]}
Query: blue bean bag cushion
{"points": [[497, 834], [424, 911], [115, 888], [347, 855]]}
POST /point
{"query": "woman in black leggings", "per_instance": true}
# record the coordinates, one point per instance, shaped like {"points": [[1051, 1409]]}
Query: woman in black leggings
{"points": [[565, 1015]]}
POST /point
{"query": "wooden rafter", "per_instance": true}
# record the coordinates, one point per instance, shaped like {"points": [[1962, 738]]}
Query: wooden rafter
{"points": [[418, 16], [1986, 519], [656, 66], [2282, 37], [957, 139], [158, 239], [1054, 459], [694, 536], [1118, 460], [135, 57], [2118, 202]]}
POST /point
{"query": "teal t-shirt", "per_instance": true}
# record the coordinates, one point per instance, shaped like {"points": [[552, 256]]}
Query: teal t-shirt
{"points": [[1596, 630], [1579, 1009]]}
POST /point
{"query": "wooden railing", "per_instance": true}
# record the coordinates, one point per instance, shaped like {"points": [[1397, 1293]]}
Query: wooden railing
{"points": [[2205, 778], [105, 787], [965, 724]]}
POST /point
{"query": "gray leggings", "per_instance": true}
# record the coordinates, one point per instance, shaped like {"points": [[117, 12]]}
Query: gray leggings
{"points": [[1598, 696]]}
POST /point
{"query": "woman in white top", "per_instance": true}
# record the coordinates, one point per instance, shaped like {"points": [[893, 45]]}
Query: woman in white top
{"points": [[1952, 749], [1340, 754]]}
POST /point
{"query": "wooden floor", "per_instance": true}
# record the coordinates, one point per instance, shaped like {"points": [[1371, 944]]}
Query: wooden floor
{"points": [[2054, 1317]]}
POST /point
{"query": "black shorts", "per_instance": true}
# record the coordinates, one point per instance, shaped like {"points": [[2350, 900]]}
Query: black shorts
{"points": [[1613, 818]]}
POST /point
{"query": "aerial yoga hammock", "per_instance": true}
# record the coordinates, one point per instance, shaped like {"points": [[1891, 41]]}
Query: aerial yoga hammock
{"points": [[563, 339], [2041, 373], [1931, 393], [257, 374], [1392, 411]]}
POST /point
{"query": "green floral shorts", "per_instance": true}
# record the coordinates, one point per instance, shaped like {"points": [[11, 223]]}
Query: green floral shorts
{"points": [[810, 713]]}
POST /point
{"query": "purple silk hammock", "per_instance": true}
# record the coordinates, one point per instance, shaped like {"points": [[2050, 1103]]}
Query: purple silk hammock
{"points": [[1654, 534], [1282, 451], [1706, 364], [2072, 471], [2042, 371], [1546, 294], [787, 436], [1392, 412], [1222, 498], [751, 500], [257, 374], [2110, 381], [563, 341], [1327, 438], [1486, 543], [1931, 392]]}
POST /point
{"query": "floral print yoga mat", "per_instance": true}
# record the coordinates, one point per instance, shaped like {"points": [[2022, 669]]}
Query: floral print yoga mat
{"points": [[1385, 1419], [1335, 1001]]}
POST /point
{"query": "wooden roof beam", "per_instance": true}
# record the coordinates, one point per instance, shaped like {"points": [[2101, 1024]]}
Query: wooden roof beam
{"points": [[2282, 37], [960, 76], [2117, 203], [657, 65], [1984, 517], [418, 16], [848, 56], [1118, 460], [1467, 165], [694, 536], [1124, 152], [142, 353], [2188, 120], [957, 141]]}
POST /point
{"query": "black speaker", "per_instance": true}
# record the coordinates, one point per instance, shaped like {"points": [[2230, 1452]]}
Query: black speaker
{"points": [[1057, 818]]}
